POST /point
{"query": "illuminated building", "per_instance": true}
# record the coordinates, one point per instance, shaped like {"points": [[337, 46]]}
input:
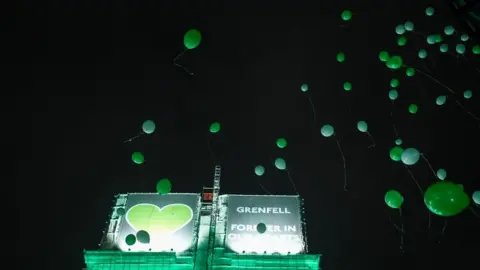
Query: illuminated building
{"points": [[204, 231]]}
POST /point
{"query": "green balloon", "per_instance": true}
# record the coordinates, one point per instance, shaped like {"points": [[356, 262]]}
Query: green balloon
{"points": [[280, 164], [281, 143], [430, 11], [164, 186], [396, 153], [422, 54], [261, 228], [413, 108], [340, 57], [304, 87], [464, 37], [362, 126], [441, 174], [395, 62], [400, 29], [444, 48], [393, 94], [410, 72], [383, 56], [347, 86], [215, 127], [192, 39], [346, 15], [394, 83], [476, 49], [460, 48], [138, 158], [446, 199], [393, 199], [467, 94], [130, 239], [120, 211], [143, 237], [441, 100], [401, 41], [410, 156], [398, 141], [327, 131], [148, 127], [259, 170], [449, 30], [409, 26]]}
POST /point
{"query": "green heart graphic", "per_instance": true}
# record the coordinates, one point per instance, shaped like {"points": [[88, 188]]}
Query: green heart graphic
{"points": [[159, 221]]}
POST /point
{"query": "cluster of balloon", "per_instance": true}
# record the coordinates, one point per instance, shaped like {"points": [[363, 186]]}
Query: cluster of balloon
{"points": [[328, 131], [281, 164], [164, 186], [396, 62], [191, 40], [148, 127], [141, 236]]}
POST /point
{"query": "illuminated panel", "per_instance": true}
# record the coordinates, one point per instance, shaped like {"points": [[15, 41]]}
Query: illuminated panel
{"points": [[168, 219], [280, 214]]}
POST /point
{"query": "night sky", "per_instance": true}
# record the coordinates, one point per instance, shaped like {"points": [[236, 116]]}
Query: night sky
{"points": [[93, 72]]}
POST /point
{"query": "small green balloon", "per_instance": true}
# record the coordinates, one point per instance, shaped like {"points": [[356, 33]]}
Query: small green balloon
{"points": [[281, 143], [444, 48], [441, 100], [431, 39], [413, 108], [143, 237], [383, 56], [446, 199], [401, 41], [130, 240], [430, 11], [215, 127], [280, 164], [410, 72], [394, 83], [460, 48], [400, 29], [259, 170], [346, 15], [467, 94], [164, 186], [148, 127], [327, 130], [394, 199], [449, 30], [395, 62], [464, 37], [304, 87], [192, 39], [422, 54], [392, 94], [138, 158], [396, 153], [441, 174], [347, 86], [409, 26], [261, 228], [476, 49], [362, 126], [340, 57], [398, 141]]}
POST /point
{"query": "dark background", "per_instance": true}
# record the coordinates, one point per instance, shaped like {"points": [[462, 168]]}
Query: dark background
{"points": [[93, 71]]}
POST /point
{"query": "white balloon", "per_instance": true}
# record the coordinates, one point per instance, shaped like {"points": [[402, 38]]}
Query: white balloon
{"points": [[476, 197]]}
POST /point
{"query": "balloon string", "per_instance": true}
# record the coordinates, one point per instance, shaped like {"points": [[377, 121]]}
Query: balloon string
{"points": [[444, 228], [393, 120], [435, 80], [474, 213], [261, 186], [402, 229], [134, 137], [178, 65], [395, 225], [344, 166], [471, 114], [373, 140], [313, 109], [291, 181], [421, 191], [429, 165]]}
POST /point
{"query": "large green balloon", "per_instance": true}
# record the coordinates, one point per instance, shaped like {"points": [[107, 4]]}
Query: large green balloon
{"points": [[192, 39], [327, 131], [446, 199], [130, 239], [280, 164], [164, 186], [396, 153], [393, 199], [138, 158]]}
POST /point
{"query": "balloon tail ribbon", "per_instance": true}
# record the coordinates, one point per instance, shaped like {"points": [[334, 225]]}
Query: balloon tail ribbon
{"points": [[444, 228], [178, 65], [313, 109], [402, 230], [134, 138], [471, 114], [429, 165], [344, 166], [266, 191], [474, 213], [435, 80], [393, 120], [373, 140], [421, 191], [291, 181]]}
